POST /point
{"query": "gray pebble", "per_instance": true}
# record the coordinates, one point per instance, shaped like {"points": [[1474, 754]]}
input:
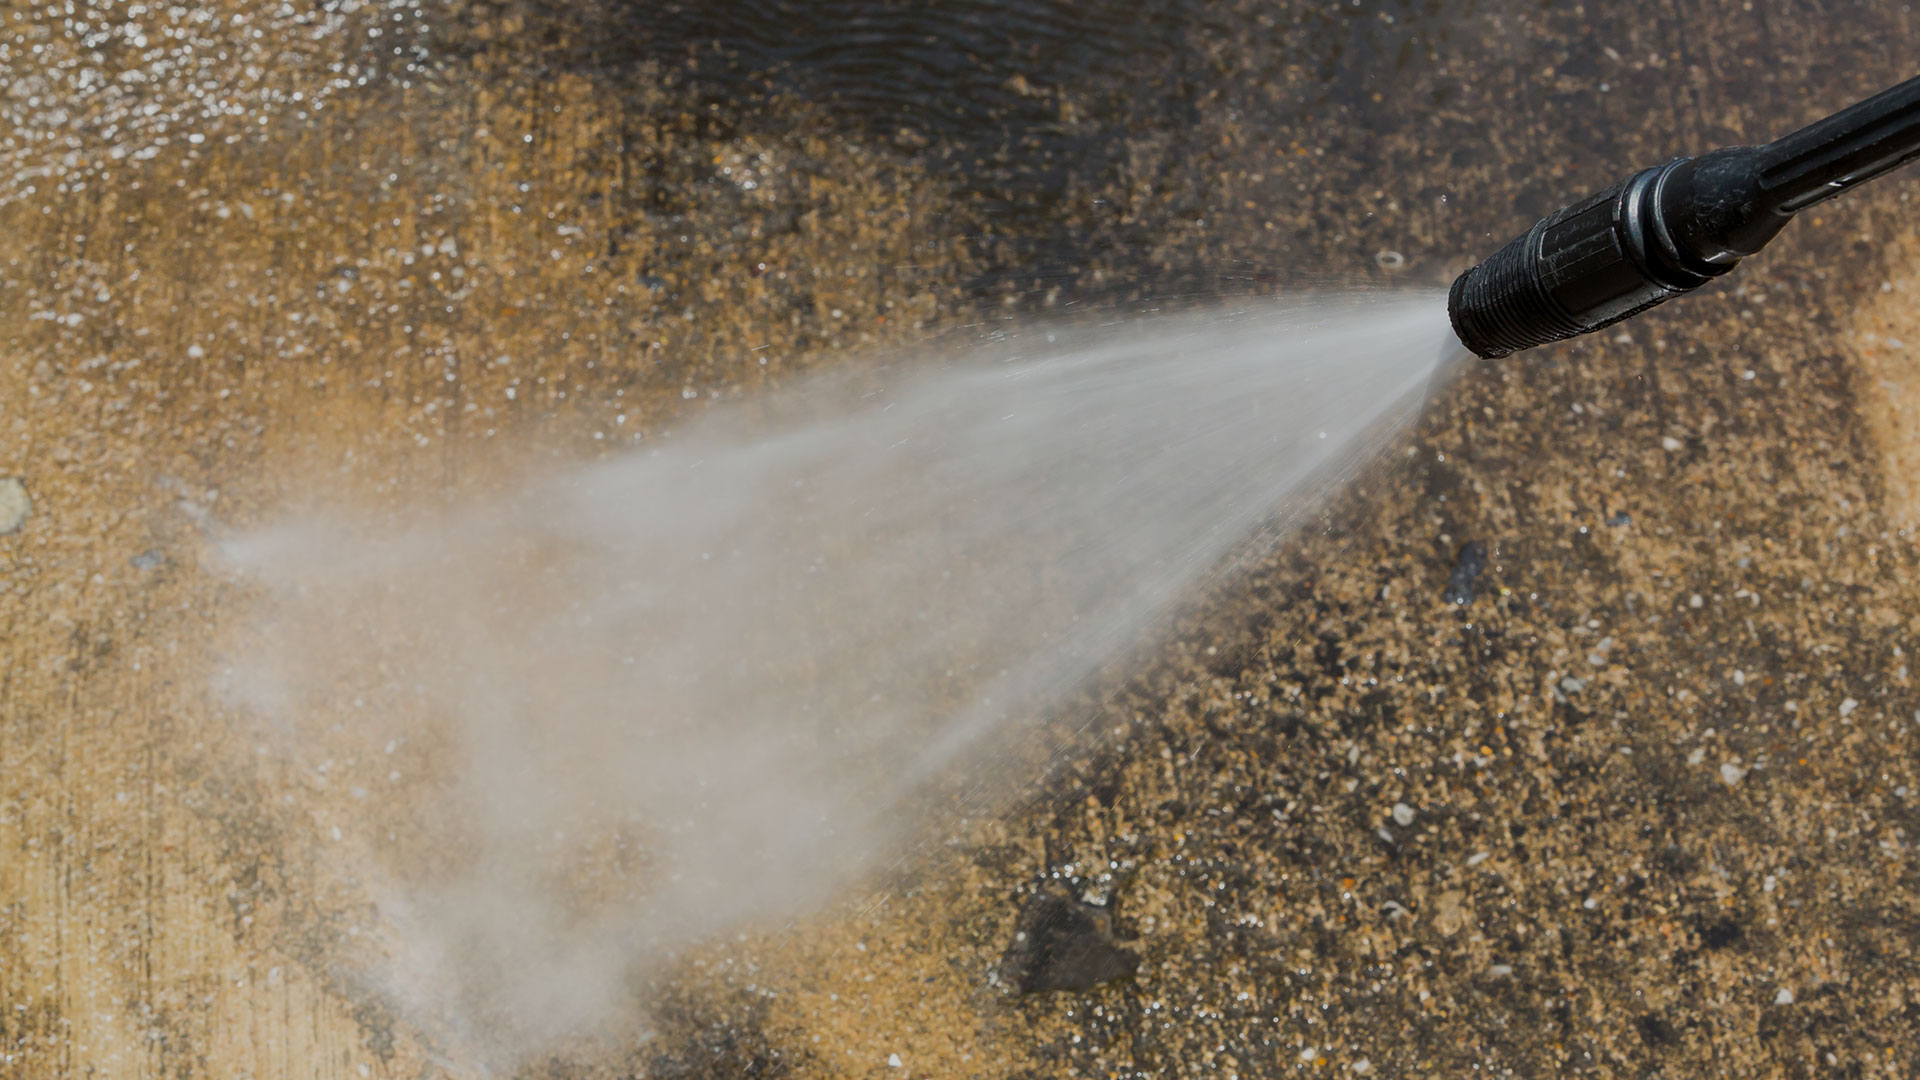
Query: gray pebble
{"points": [[15, 504]]}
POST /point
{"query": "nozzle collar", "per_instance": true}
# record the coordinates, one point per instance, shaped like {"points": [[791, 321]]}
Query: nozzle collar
{"points": [[1606, 258]]}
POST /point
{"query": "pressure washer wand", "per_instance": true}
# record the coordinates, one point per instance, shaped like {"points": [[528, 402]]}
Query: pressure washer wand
{"points": [[1673, 228]]}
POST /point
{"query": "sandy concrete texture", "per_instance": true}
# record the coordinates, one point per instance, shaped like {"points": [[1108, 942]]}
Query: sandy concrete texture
{"points": [[1646, 807]]}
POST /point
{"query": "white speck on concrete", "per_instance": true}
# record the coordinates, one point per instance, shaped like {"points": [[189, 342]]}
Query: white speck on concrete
{"points": [[893, 1060], [1402, 814], [1847, 707], [1732, 773], [1671, 443], [1784, 997], [1362, 1065], [1696, 602], [15, 504]]}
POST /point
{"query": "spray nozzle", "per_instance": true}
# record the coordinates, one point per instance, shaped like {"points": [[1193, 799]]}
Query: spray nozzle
{"points": [[1670, 229]]}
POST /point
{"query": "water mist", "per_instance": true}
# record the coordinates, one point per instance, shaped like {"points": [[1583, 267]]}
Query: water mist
{"points": [[705, 683]]}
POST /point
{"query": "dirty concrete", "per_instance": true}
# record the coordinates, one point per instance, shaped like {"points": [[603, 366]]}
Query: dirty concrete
{"points": [[1662, 773]]}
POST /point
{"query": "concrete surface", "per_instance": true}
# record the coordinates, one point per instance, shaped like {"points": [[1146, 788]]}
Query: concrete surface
{"points": [[1661, 773]]}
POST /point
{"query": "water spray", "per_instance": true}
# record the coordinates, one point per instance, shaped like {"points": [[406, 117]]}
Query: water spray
{"points": [[1670, 229]]}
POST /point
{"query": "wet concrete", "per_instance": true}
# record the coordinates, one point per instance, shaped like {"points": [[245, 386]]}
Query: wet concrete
{"points": [[1661, 774]]}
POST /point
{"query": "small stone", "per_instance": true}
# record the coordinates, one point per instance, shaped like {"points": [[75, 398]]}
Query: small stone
{"points": [[1732, 773], [1695, 601], [1784, 997], [893, 1061], [1450, 914], [1473, 559], [1362, 1065], [1572, 685], [1671, 443], [1063, 944], [1402, 814], [1847, 707], [15, 504]]}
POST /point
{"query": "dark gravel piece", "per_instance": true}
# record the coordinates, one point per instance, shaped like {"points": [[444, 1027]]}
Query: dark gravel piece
{"points": [[1062, 944], [1473, 559]]}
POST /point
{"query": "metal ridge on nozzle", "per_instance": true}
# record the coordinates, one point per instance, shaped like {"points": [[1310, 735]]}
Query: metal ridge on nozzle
{"points": [[1672, 228]]}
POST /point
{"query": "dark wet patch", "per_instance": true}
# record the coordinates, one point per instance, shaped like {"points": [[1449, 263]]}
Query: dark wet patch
{"points": [[1076, 138], [1656, 1030], [707, 1039], [1720, 933], [1062, 944]]}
